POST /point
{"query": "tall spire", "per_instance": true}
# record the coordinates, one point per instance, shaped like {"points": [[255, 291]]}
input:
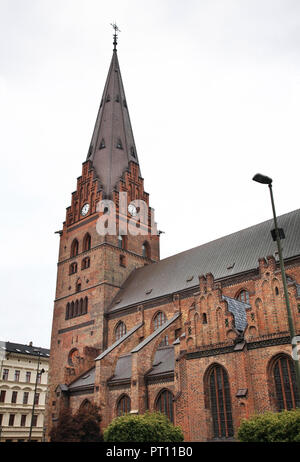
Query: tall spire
{"points": [[112, 145]]}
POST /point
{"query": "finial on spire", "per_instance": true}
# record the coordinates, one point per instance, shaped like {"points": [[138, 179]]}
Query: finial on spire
{"points": [[116, 29]]}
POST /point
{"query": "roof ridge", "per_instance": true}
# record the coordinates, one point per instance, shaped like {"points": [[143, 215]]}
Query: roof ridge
{"points": [[119, 341], [24, 345], [227, 235], [209, 242], [244, 248], [156, 333], [81, 375]]}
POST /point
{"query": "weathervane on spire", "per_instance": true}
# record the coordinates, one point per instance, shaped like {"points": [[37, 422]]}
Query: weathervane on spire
{"points": [[116, 29]]}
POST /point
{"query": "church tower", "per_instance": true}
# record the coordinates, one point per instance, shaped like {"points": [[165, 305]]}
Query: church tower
{"points": [[109, 231]]}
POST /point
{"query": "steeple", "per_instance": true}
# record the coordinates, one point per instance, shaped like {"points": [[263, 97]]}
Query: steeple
{"points": [[112, 145]]}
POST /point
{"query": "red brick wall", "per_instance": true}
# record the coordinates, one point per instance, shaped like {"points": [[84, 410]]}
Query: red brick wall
{"points": [[205, 320], [246, 369], [100, 282]]}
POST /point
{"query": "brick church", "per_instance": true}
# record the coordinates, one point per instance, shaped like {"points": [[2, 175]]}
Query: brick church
{"points": [[202, 336]]}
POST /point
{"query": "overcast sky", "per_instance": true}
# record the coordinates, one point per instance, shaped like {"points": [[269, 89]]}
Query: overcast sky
{"points": [[213, 91]]}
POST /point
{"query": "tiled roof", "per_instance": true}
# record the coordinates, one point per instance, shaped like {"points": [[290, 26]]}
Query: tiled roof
{"points": [[112, 145], [156, 333], [164, 361], [119, 341], [123, 368], [238, 309], [227, 256], [20, 348], [85, 380]]}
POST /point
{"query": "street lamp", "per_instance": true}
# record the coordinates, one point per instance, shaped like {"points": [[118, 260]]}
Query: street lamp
{"points": [[35, 387], [277, 235]]}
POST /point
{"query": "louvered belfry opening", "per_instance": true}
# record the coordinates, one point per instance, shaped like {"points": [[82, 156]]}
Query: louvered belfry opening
{"points": [[220, 403], [287, 396]]}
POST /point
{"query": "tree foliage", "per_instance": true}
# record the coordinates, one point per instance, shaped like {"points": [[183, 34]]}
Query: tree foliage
{"points": [[87, 420], [271, 427], [148, 427], [83, 426], [64, 428]]}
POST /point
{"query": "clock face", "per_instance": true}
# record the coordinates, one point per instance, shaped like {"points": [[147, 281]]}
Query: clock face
{"points": [[132, 209], [85, 209]]}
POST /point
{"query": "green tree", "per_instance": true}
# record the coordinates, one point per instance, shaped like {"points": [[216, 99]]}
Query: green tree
{"points": [[148, 427], [271, 427]]}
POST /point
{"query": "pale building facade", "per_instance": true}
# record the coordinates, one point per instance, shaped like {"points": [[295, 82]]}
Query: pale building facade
{"points": [[22, 369]]}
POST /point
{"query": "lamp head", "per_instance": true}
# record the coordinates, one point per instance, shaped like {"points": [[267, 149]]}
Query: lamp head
{"points": [[263, 179]]}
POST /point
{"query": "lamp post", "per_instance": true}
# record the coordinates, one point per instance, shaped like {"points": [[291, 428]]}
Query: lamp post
{"points": [[278, 234], [35, 387]]}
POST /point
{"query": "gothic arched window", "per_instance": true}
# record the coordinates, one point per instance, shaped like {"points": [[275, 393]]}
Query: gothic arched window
{"points": [[220, 403], [74, 248], [85, 263], [122, 242], [146, 250], [86, 404], [81, 306], [72, 310], [86, 242], [123, 405], [73, 268], [120, 330], [68, 311], [164, 404], [159, 320], [76, 308], [85, 305], [164, 342], [243, 296], [287, 396], [73, 357]]}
